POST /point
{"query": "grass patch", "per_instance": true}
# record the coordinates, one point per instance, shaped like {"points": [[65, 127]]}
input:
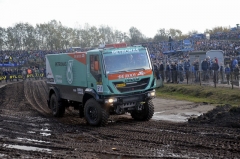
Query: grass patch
{"points": [[196, 93]]}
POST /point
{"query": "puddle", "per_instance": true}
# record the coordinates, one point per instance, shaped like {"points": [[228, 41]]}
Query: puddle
{"points": [[2, 155], [170, 117], [45, 134], [31, 140], [31, 132], [27, 148], [174, 118], [45, 129]]}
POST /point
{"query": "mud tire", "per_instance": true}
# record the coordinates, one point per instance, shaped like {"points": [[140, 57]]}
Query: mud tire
{"points": [[57, 106], [145, 114], [95, 114]]}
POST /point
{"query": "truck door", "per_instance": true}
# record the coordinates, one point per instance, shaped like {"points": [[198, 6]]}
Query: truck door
{"points": [[95, 75]]}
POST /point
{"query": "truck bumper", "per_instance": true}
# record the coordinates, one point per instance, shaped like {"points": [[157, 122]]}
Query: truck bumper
{"points": [[125, 99]]}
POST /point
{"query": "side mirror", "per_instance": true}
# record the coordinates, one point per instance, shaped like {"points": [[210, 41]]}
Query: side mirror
{"points": [[96, 66]]}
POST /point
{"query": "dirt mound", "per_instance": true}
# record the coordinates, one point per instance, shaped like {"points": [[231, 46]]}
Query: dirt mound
{"points": [[226, 115]]}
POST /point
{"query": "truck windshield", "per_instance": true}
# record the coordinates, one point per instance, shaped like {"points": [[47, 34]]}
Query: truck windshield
{"points": [[126, 62]]}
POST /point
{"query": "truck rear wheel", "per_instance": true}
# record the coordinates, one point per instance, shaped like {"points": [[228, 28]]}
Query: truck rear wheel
{"points": [[145, 114], [57, 106], [95, 114]]}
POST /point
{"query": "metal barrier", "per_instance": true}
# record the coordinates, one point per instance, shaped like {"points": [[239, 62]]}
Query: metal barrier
{"points": [[212, 78]]}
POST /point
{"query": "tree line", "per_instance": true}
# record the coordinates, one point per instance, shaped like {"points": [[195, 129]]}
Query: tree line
{"points": [[54, 36]]}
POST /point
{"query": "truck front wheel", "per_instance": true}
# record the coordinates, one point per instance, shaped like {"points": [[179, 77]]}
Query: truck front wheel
{"points": [[146, 113], [57, 106], [95, 114]]}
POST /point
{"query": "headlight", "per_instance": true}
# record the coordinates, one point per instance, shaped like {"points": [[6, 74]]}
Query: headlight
{"points": [[111, 100], [151, 94]]}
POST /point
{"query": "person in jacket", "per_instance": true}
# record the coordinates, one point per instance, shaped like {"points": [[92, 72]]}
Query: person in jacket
{"points": [[168, 72], [187, 67], [204, 66], [196, 69], [180, 71], [156, 72], [234, 63], [221, 70], [161, 70], [227, 73], [215, 68], [174, 72], [236, 72], [7, 74]]}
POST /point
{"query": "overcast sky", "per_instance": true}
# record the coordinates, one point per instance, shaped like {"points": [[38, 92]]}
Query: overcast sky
{"points": [[146, 15]]}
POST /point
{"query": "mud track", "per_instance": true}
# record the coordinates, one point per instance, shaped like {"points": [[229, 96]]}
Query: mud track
{"points": [[28, 130]]}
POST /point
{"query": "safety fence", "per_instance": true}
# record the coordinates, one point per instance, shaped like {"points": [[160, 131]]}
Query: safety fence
{"points": [[212, 78]]}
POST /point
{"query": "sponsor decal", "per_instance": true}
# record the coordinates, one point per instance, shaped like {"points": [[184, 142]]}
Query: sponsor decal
{"points": [[130, 75], [80, 56], [125, 51], [69, 72], [58, 78], [60, 63], [134, 79], [50, 80]]}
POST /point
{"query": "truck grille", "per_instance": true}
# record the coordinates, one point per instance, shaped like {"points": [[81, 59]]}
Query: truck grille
{"points": [[138, 85]]}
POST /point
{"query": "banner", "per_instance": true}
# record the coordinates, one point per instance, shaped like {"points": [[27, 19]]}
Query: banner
{"points": [[20, 76], [8, 65]]}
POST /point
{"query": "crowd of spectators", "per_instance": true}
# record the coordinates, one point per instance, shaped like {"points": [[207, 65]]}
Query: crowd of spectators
{"points": [[231, 35], [227, 41]]}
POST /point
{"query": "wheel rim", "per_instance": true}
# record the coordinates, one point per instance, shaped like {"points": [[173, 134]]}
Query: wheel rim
{"points": [[93, 114]]}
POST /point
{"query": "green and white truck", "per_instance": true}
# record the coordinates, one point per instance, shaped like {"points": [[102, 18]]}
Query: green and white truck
{"points": [[113, 80]]}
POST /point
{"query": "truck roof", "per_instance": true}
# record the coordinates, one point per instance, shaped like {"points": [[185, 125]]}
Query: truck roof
{"points": [[109, 49]]}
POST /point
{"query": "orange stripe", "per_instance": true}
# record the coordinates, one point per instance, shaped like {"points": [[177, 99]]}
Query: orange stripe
{"points": [[129, 74], [79, 56]]}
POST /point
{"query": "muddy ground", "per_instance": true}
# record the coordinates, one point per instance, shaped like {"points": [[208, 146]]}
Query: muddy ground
{"points": [[28, 130]]}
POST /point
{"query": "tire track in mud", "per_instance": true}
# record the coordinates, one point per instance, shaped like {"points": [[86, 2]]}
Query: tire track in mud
{"points": [[34, 97], [121, 138], [139, 135], [36, 93], [40, 96]]}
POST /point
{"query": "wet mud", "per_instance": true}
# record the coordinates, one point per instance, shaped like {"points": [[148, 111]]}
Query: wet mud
{"points": [[28, 130]]}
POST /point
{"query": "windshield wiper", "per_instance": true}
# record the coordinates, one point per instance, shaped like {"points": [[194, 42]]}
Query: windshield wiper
{"points": [[137, 69], [117, 72]]}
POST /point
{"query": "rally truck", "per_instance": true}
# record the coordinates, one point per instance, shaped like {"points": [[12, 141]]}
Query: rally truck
{"points": [[116, 79]]}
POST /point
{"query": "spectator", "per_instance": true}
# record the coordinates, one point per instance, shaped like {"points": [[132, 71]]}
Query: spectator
{"points": [[234, 63], [168, 72], [215, 68], [161, 70], [196, 69], [236, 72], [204, 69], [180, 71], [187, 67], [227, 72], [174, 72], [170, 42], [222, 72]]}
